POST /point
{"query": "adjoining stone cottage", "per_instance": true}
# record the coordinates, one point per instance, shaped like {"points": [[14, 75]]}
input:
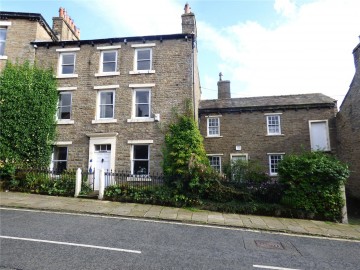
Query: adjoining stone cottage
{"points": [[266, 128]]}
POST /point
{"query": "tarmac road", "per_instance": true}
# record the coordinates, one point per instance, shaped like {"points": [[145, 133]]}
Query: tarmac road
{"points": [[45, 240]]}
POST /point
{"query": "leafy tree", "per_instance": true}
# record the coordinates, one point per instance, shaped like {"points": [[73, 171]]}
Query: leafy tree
{"points": [[185, 164], [28, 103], [313, 183]]}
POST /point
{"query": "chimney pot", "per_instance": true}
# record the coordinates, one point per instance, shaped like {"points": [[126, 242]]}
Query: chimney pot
{"points": [[223, 88], [187, 8], [61, 12]]}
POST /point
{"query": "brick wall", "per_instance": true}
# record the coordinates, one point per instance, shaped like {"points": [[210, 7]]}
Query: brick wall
{"points": [[249, 130]]}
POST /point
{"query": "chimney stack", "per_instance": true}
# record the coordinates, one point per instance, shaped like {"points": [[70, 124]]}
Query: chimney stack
{"points": [[223, 88], [188, 21], [65, 27]]}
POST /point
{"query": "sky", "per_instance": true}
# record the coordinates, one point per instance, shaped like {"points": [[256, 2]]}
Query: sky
{"points": [[264, 47]]}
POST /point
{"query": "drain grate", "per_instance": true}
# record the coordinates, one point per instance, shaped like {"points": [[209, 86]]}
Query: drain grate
{"points": [[269, 244]]}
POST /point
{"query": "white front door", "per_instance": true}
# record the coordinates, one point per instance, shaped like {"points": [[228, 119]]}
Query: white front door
{"points": [[102, 161]]}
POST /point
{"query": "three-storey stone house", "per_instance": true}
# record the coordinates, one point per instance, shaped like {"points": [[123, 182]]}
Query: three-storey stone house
{"points": [[115, 94]]}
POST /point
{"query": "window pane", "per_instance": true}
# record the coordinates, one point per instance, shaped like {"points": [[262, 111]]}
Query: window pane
{"points": [[215, 163], [141, 167], [65, 99], [59, 166], [141, 151], [109, 56], [106, 98], [60, 153], [106, 111], [68, 70], [143, 65], [142, 97], [143, 54], [68, 59], [109, 67], [64, 113], [2, 40], [142, 110], [2, 34], [2, 48]]}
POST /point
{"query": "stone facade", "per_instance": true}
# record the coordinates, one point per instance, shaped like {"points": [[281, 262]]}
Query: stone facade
{"points": [[243, 126], [172, 80], [348, 126]]}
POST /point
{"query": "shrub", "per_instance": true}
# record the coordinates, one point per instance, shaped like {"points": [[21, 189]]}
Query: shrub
{"points": [[245, 171], [43, 182], [313, 183], [186, 166]]}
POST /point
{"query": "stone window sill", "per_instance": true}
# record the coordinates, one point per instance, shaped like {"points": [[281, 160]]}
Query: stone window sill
{"points": [[104, 121], [66, 76], [134, 72], [107, 74], [140, 120], [65, 122]]}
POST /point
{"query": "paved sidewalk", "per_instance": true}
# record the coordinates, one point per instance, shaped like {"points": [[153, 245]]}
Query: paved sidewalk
{"points": [[79, 205]]}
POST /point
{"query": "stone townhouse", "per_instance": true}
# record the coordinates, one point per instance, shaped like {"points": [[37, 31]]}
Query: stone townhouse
{"points": [[265, 128], [115, 94], [348, 128]]}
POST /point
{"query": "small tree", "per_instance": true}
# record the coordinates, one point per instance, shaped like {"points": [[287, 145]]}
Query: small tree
{"points": [[185, 164], [313, 183], [28, 103]]}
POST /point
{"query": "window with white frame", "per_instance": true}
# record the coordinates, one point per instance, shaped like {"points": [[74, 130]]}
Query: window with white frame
{"points": [[319, 135], [108, 61], [274, 160], [106, 104], [213, 126], [235, 157], [215, 162], [142, 101], [140, 159], [143, 59], [273, 124], [59, 159], [64, 105], [67, 63], [3, 31]]}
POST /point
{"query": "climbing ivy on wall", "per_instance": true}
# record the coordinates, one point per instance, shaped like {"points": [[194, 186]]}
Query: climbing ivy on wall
{"points": [[28, 104], [185, 164]]}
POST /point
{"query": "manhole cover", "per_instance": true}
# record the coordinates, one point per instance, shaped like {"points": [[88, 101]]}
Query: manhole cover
{"points": [[269, 244]]}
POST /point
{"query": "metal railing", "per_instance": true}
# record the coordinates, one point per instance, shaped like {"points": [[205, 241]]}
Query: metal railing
{"points": [[136, 180]]}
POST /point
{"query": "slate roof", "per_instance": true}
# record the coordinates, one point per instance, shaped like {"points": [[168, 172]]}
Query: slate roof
{"points": [[315, 100]]}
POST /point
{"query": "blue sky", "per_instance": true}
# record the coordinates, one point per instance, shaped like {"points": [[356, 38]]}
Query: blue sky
{"points": [[264, 47]]}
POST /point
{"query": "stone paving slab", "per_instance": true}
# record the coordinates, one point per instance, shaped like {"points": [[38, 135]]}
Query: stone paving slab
{"points": [[81, 205]]}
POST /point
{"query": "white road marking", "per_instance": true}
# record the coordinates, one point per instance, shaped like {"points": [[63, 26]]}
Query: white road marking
{"points": [[70, 244], [273, 267]]}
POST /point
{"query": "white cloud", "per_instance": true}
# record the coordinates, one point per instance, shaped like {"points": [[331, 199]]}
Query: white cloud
{"points": [[286, 8], [139, 17], [309, 52]]}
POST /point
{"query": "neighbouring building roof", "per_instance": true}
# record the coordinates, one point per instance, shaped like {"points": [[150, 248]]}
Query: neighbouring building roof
{"points": [[5, 15], [305, 101]]}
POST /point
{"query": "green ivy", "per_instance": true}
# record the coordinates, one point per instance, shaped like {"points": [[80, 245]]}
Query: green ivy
{"points": [[313, 182], [28, 104]]}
